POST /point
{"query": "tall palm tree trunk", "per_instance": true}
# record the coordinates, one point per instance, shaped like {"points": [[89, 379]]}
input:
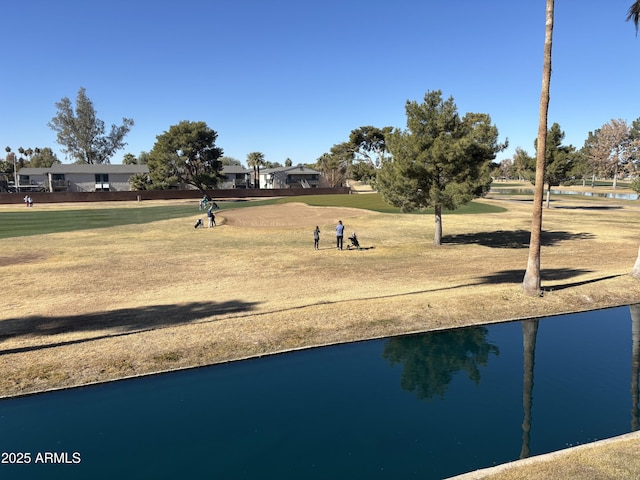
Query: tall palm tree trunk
{"points": [[531, 283], [635, 273]]}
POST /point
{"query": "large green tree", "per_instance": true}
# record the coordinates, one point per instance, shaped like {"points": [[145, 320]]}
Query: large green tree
{"points": [[82, 133], [369, 144], [43, 158], [186, 154], [440, 160], [559, 159], [613, 148], [335, 165], [369, 150], [531, 283]]}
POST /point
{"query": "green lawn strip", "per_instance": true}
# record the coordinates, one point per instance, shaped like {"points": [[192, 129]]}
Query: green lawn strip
{"points": [[374, 201], [32, 221], [38, 222]]}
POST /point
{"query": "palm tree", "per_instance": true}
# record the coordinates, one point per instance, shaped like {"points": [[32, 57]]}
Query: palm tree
{"points": [[634, 14], [531, 282], [255, 160], [635, 272]]}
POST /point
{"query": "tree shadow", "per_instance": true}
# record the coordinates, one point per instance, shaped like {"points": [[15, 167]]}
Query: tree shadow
{"points": [[584, 282], [117, 322], [589, 207], [513, 238], [552, 274]]}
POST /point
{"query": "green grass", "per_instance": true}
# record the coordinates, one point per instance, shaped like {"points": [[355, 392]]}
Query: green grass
{"points": [[374, 201], [33, 221], [36, 222]]}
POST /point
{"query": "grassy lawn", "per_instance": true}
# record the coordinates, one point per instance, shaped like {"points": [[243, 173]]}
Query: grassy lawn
{"points": [[374, 201], [37, 221]]}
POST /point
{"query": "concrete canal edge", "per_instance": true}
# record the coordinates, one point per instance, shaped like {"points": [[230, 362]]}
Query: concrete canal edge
{"points": [[547, 457]]}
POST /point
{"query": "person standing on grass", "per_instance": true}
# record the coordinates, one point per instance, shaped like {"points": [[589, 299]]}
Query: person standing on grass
{"points": [[339, 234], [212, 217], [316, 238]]}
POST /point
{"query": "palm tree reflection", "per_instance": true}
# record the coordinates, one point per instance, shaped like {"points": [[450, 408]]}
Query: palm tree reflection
{"points": [[529, 335], [635, 364]]}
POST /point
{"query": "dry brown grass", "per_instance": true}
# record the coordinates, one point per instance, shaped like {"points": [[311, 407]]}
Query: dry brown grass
{"points": [[606, 460], [99, 304], [96, 305]]}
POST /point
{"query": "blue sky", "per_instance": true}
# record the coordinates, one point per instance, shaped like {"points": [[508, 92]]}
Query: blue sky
{"points": [[292, 78]]}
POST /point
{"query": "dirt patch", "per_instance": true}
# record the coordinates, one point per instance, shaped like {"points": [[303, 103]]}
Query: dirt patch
{"points": [[20, 259], [288, 215]]}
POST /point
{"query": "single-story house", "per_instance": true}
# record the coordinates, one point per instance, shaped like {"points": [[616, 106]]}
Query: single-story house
{"points": [[289, 177], [235, 176], [77, 177]]}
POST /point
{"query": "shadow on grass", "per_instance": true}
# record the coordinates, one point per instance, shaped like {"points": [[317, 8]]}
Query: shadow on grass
{"points": [[115, 323], [516, 276], [512, 238], [589, 207], [585, 282], [548, 275]]}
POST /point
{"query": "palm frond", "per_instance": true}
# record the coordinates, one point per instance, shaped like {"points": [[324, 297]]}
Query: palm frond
{"points": [[634, 14]]}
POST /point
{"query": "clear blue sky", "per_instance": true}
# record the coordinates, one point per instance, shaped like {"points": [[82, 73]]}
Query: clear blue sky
{"points": [[291, 78]]}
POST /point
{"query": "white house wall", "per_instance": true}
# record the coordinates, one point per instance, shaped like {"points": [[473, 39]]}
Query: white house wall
{"points": [[83, 182]]}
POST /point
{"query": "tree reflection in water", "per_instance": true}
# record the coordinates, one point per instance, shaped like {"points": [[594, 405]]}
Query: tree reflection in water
{"points": [[431, 360]]}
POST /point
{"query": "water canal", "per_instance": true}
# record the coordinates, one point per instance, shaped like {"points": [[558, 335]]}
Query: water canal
{"points": [[529, 191], [422, 406]]}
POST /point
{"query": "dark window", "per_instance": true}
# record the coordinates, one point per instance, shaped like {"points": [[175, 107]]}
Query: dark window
{"points": [[102, 182]]}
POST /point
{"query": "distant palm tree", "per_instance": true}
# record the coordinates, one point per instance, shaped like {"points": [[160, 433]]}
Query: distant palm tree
{"points": [[634, 14], [255, 160], [532, 283]]}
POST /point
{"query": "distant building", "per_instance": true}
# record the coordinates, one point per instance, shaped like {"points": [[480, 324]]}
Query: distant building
{"points": [[235, 176], [78, 177], [289, 177]]}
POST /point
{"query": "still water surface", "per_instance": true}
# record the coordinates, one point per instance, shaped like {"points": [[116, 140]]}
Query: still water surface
{"points": [[423, 406], [529, 191]]}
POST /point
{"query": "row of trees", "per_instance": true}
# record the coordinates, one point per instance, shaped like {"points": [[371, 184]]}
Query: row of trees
{"points": [[611, 151], [27, 157]]}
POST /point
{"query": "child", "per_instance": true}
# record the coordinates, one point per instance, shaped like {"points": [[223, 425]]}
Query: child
{"points": [[212, 217]]}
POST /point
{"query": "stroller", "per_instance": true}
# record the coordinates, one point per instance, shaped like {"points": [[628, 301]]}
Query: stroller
{"points": [[354, 242]]}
